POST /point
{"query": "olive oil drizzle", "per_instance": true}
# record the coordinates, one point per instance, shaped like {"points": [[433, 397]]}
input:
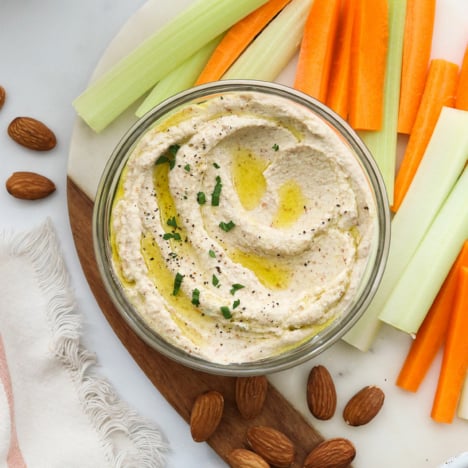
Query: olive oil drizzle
{"points": [[291, 205], [248, 178]]}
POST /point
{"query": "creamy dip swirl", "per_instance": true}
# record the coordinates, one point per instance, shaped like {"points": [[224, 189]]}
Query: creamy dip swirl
{"points": [[241, 227]]}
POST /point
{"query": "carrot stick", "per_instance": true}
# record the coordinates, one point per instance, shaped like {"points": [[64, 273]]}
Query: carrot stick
{"points": [[461, 100], [316, 51], [369, 48], [439, 91], [237, 39], [455, 359], [338, 88], [433, 330], [417, 43]]}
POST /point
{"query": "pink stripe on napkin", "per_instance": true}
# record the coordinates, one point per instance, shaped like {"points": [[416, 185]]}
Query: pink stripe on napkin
{"points": [[15, 457]]}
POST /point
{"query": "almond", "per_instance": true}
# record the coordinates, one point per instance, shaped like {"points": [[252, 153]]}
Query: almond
{"points": [[206, 415], [250, 395], [363, 406], [272, 445], [243, 458], [321, 393], [331, 453], [32, 134], [29, 185], [2, 96]]}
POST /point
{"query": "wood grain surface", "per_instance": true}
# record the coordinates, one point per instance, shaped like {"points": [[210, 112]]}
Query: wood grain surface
{"points": [[180, 385]]}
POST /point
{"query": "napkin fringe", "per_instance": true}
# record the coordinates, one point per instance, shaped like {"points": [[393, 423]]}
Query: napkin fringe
{"points": [[129, 440]]}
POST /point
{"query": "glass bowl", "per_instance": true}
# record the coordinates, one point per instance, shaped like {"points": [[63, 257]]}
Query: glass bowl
{"points": [[277, 127]]}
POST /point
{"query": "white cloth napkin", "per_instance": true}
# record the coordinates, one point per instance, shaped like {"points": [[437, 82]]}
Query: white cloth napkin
{"points": [[54, 410]]}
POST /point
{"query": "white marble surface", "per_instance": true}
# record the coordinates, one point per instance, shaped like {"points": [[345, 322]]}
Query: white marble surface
{"points": [[48, 51]]}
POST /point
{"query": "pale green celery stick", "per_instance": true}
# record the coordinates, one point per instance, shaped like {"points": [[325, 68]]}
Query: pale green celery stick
{"points": [[274, 47], [106, 98], [179, 79], [383, 143], [417, 287], [443, 162]]}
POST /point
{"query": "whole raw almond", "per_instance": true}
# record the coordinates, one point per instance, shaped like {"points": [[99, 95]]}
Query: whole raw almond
{"points": [[250, 395], [29, 185], [364, 406], [32, 134], [206, 415], [2, 96], [272, 445], [331, 453], [243, 458], [321, 393]]}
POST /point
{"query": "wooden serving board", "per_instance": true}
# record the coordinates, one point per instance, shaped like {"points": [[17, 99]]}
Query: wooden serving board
{"points": [[180, 385]]}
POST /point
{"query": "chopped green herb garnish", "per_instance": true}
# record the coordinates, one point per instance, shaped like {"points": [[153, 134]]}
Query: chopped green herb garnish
{"points": [[162, 159], [177, 283], [172, 222], [216, 165], [211, 254], [196, 297], [235, 287], [172, 235], [226, 312], [236, 303], [226, 226], [215, 281], [275, 147], [187, 167], [201, 198], [168, 156], [173, 149], [216, 192]]}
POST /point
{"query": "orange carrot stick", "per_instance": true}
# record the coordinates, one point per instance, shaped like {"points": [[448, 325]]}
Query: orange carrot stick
{"points": [[369, 48], [461, 100], [455, 359], [439, 91], [417, 43], [237, 39], [431, 335], [338, 88], [316, 51]]}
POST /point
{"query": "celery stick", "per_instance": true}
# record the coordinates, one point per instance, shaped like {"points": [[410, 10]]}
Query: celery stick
{"points": [[179, 79], [383, 143], [417, 287], [274, 47], [136, 73], [434, 180]]}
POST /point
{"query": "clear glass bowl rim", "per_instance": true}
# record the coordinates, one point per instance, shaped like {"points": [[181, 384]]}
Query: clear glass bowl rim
{"points": [[101, 217]]}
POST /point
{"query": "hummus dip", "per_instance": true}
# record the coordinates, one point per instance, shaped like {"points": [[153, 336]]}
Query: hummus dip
{"points": [[241, 227]]}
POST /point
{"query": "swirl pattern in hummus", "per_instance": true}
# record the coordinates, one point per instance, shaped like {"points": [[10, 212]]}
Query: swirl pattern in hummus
{"points": [[241, 227]]}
